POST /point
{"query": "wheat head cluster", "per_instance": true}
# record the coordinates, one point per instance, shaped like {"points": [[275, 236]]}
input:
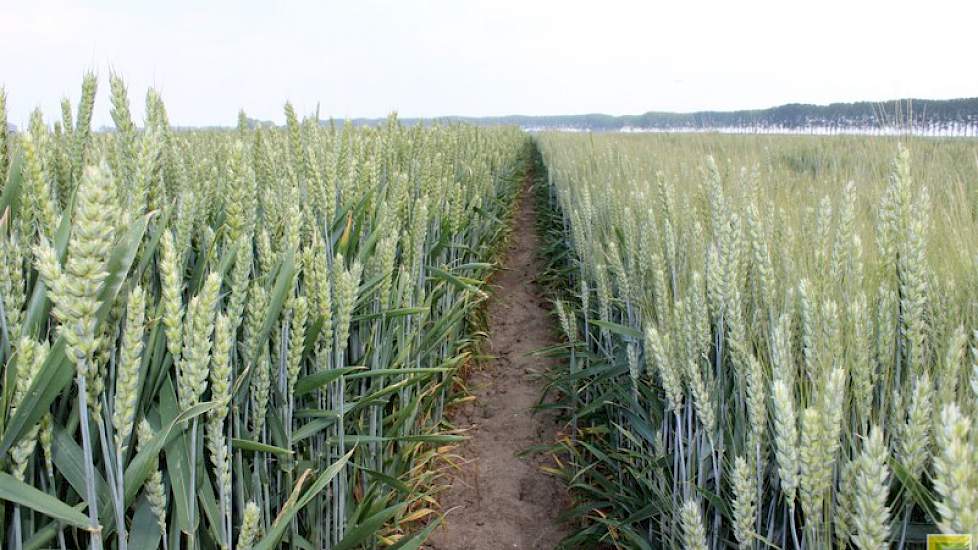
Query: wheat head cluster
{"points": [[240, 338], [770, 340]]}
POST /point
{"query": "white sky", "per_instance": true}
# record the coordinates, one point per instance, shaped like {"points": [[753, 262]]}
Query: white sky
{"points": [[493, 57]]}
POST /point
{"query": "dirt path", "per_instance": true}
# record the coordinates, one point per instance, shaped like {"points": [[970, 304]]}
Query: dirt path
{"points": [[500, 500]]}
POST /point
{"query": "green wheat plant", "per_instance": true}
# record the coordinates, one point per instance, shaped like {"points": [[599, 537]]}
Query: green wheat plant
{"points": [[804, 310], [235, 339]]}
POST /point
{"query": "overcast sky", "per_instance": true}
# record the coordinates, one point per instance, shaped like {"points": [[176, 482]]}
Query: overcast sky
{"points": [[493, 57]]}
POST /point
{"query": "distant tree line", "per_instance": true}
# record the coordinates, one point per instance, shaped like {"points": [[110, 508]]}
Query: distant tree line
{"points": [[924, 116], [959, 116]]}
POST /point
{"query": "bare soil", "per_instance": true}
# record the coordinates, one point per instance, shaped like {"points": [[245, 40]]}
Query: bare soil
{"points": [[499, 500]]}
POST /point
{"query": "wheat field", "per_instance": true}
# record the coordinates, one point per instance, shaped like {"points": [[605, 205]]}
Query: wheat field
{"points": [[253, 337], [235, 338], [770, 338]]}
